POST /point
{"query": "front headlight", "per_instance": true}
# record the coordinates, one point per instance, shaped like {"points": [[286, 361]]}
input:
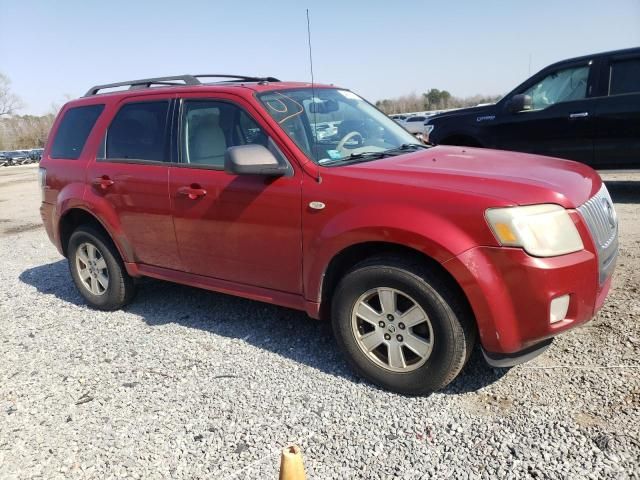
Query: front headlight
{"points": [[542, 230], [428, 128]]}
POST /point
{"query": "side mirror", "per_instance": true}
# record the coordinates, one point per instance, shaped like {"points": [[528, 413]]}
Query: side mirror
{"points": [[518, 103], [325, 106], [252, 160]]}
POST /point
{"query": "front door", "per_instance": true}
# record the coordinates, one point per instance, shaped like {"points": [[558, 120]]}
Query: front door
{"points": [[131, 175], [560, 121], [239, 228], [618, 115]]}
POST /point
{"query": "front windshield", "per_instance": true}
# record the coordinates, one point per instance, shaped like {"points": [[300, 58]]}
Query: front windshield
{"points": [[333, 126]]}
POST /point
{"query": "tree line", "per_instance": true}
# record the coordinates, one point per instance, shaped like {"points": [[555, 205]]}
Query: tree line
{"points": [[433, 99], [21, 131], [30, 131]]}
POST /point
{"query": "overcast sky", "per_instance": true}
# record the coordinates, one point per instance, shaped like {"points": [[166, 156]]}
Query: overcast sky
{"points": [[379, 49]]}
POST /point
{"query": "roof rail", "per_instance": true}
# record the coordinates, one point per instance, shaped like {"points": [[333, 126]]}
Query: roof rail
{"points": [[238, 77], [185, 79]]}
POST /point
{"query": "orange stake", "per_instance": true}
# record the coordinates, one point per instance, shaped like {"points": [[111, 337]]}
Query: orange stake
{"points": [[291, 465]]}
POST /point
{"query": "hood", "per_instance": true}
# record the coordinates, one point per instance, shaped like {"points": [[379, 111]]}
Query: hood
{"points": [[511, 177], [483, 109]]}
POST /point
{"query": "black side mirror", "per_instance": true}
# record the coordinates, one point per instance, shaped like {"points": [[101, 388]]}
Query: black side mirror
{"points": [[252, 159], [519, 102]]}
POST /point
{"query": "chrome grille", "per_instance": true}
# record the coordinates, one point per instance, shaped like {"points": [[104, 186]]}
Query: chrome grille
{"points": [[601, 219]]}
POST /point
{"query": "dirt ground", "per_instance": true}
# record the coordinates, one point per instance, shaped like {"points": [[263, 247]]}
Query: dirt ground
{"points": [[185, 383]]}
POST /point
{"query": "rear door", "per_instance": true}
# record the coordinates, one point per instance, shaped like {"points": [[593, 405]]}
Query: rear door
{"points": [[560, 122], [130, 174], [240, 228], [617, 142]]}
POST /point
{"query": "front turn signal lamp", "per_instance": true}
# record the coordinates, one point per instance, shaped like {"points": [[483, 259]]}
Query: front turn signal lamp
{"points": [[544, 230]]}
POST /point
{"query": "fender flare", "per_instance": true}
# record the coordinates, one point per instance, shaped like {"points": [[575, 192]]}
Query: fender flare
{"points": [[122, 245], [431, 235]]}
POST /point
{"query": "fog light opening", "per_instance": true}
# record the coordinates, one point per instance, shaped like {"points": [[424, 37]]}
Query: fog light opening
{"points": [[559, 309]]}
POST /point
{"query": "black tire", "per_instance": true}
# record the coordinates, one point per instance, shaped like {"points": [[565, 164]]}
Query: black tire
{"points": [[121, 287], [451, 320]]}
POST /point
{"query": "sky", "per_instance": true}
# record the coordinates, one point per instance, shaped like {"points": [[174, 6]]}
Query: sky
{"points": [[56, 49]]}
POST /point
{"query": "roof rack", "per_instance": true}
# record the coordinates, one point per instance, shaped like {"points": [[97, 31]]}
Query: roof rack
{"points": [[186, 80]]}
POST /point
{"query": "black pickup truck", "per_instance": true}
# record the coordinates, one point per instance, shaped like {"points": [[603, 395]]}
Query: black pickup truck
{"points": [[585, 109]]}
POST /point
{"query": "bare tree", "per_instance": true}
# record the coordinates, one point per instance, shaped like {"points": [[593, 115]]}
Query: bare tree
{"points": [[9, 102]]}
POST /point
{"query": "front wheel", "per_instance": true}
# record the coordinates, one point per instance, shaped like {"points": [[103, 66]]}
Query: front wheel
{"points": [[402, 326]]}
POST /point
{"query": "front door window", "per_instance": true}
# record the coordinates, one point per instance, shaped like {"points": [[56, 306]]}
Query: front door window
{"points": [[560, 86]]}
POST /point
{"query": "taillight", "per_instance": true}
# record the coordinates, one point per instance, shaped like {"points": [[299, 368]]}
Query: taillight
{"points": [[42, 180]]}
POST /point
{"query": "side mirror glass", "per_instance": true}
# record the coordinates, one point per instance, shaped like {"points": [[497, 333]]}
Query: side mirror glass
{"points": [[519, 102], [252, 159]]}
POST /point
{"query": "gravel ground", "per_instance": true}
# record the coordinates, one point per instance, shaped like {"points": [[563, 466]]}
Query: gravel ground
{"points": [[191, 384]]}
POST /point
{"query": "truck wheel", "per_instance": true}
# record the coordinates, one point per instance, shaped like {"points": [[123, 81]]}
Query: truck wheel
{"points": [[401, 326], [98, 271]]}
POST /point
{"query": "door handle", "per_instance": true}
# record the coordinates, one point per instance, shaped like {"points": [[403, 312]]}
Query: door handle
{"points": [[103, 182], [193, 191], [579, 115]]}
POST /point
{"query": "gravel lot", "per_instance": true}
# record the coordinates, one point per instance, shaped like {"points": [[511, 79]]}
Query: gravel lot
{"points": [[192, 384]]}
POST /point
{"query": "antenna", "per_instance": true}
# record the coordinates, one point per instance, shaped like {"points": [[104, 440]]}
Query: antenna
{"points": [[313, 94]]}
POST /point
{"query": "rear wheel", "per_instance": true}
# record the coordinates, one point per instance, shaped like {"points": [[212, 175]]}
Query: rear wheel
{"points": [[97, 270], [401, 326]]}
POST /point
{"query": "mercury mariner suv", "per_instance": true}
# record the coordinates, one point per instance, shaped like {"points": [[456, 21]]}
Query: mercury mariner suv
{"points": [[415, 253]]}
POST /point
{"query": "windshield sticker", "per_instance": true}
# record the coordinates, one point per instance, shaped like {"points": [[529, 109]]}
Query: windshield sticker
{"points": [[277, 105], [334, 154], [348, 94], [282, 106]]}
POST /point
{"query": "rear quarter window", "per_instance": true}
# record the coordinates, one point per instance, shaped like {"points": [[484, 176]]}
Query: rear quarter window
{"points": [[624, 77], [74, 129]]}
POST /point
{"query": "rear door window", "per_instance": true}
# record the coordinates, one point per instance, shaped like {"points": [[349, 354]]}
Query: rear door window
{"points": [[74, 129], [624, 76], [139, 132]]}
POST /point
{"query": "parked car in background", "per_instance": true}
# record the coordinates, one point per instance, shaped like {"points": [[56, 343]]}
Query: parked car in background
{"points": [[585, 109], [412, 251], [18, 157], [415, 124], [399, 117], [35, 154], [5, 160]]}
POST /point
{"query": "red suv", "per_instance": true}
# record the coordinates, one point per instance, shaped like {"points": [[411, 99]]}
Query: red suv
{"points": [[307, 196]]}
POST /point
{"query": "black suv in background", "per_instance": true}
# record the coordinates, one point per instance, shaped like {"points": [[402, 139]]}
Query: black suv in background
{"points": [[585, 109]]}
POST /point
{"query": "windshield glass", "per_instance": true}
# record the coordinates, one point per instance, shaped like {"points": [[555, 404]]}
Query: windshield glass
{"points": [[334, 126]]}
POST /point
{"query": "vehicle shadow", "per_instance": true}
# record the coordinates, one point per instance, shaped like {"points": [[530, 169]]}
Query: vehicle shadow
{"points": [[624, 191], [279, 330]]}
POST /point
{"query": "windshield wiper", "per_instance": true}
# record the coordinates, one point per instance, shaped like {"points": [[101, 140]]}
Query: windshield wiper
{"points": [[357, 157], [365, 156], [409, 146]]}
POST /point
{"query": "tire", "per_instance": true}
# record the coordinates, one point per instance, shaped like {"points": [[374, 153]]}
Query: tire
{"points": [[120, 287], [449, 327]]}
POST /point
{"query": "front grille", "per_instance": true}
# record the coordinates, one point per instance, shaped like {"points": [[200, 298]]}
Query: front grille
{"points": [[600, 216]]}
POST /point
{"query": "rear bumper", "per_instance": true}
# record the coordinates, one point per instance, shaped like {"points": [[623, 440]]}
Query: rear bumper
{"points": [[510, 293], [47, 213]]}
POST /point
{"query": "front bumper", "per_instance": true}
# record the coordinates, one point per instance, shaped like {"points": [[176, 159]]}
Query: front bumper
{"points": [[505, 360], [510, 293]]}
